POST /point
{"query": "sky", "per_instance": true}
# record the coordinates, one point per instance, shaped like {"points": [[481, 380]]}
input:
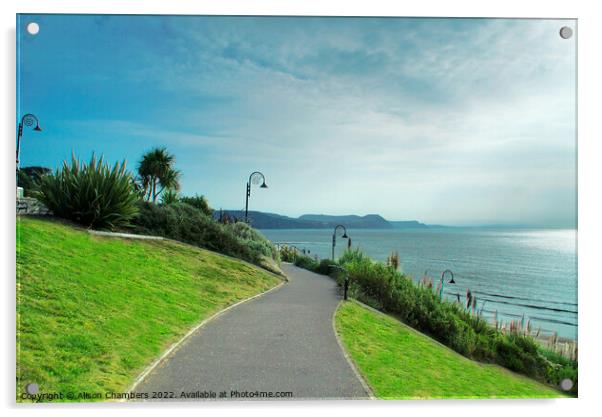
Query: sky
{"points": [[445, 121]]}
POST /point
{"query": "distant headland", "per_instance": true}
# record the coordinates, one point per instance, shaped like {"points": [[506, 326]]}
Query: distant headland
{"points": [[261, 220]]}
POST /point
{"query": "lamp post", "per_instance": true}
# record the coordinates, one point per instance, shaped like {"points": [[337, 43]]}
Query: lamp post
{"points": [[27, 120], [345, 281], [254, 178], [334, 237], [451, 281]]}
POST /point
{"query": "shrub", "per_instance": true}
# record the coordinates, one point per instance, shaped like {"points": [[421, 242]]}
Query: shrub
{"points": [[169, 196], [327, 267], [306, 262], [92, 194], [287, 254], [200, 202], [180, 221], [559, 368], [352, 256], [29, 178], [253, 238]]}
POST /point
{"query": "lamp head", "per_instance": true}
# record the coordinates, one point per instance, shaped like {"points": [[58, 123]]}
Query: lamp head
{"points": [[264, 185], [37, 128], [345, 236], [451, 281]]}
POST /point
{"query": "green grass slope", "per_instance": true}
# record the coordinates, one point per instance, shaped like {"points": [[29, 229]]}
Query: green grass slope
{"points": [[400, 363], [93, 312]]}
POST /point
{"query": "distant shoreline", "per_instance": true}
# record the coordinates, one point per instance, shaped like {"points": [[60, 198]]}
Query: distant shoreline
{"points": [[263, 220], [428, 228]]}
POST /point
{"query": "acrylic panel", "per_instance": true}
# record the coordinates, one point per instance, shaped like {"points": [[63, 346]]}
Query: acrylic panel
{"points": [[295, 208]]}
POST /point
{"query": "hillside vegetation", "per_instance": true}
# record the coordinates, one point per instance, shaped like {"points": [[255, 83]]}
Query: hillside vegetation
{"points": [[400, 363], [93, 312]]}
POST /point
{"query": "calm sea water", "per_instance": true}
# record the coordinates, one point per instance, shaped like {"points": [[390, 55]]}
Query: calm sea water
{"points": [[514, 272]]}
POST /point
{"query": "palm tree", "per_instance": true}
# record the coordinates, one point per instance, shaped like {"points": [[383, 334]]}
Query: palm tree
{"points": [[157, 173]]}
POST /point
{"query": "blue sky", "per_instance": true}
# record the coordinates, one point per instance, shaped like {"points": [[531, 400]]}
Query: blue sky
{"points": [[446, 121]]}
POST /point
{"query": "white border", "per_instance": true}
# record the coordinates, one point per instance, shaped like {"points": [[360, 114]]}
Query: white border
{"points": [[590, 207], [467, 8]]}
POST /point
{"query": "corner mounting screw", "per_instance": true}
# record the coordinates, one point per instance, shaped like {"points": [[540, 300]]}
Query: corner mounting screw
{"points": [[566, 32]]}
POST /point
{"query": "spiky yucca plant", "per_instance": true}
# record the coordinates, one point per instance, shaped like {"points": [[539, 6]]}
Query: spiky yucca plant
{"points": [[94, 194], [170, 196]]}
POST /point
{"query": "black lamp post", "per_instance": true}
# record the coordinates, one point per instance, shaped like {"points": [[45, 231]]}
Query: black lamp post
{"points": [[334, 237], [27, 120], [255, 177], [345, 281], [451, 281]]}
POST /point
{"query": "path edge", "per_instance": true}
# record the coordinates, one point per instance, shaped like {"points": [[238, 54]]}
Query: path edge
{"points": [[349, 359], [177, 344]]}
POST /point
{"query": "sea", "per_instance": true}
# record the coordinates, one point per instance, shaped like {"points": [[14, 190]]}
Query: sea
{"points": [[525, 275]]}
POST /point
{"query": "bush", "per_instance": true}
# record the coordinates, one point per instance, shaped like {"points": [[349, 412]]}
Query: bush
{"points": [[306, 262], [327, 267], [561, 368], [253, 238], [93, 194], [29, 178], [180, 221], [352, 256], [169, 196], [324, 267], [200, 202], [288, 254]]}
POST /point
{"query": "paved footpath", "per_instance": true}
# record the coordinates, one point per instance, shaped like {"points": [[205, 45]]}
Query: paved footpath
{"points": [[283, 341]]}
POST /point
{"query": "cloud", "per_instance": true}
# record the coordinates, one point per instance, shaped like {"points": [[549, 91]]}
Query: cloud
{"points": [[393, 114]]}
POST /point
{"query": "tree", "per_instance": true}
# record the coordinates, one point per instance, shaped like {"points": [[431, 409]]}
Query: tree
{"points": [[156, 173]]}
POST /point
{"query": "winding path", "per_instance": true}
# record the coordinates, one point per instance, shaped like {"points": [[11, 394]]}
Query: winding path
{"points": [[281, 342]]}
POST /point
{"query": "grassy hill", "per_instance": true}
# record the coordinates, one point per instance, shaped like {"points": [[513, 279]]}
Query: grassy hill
{"points": [[93, 312], [400, 363]]}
